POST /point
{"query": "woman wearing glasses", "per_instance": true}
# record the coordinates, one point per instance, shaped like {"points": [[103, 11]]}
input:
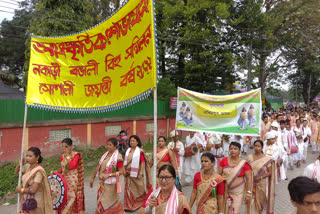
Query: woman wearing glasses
{"points": [[238, 176], [167, 199], [208, 187]]}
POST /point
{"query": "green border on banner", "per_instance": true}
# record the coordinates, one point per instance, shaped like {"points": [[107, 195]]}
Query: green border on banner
{"points": [[217, 125]]}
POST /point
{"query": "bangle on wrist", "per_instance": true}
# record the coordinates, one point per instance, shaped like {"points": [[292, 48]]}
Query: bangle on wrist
{"points": [[22, 190], [147, 209]]}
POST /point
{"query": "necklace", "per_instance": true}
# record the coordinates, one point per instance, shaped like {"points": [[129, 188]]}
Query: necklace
{"points": [[164, 199], [68, 156], [206, 177], [234, 162], [33, 166]]}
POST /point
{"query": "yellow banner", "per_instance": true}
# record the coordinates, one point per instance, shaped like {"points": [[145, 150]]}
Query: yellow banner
{"points": [[216, 109], [108, 67]]}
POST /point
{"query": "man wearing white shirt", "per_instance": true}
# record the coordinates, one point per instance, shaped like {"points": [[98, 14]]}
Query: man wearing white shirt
{"points": [[306, 134], [202, 137], [285, 149], [226, 143], [178, 148], [272, 150], [192, 164], [312, 171], [298, 127], [292, 142]]}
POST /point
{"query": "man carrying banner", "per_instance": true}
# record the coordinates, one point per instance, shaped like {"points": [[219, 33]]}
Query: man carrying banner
{"points": [[178, 148]]}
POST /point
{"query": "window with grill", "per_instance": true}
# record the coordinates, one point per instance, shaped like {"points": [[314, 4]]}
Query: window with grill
{"points": [[149, 127], [59, 134], [113, 130]]}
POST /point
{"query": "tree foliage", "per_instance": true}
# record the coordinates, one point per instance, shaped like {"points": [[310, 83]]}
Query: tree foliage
{"points": [[193, 49], [199, 42], [12, 44], [300, 39]]}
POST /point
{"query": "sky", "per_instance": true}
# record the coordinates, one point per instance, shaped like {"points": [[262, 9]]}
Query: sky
{"points": [[7, 8]]}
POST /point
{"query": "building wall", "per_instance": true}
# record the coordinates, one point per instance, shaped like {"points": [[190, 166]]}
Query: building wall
{"points": [[93, 135], [10, 144], [40, 137], [99, 137]]}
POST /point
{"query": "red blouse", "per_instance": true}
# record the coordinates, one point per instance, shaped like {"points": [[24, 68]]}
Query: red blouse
{"points": [[219, 187], [119, 164], [166, 158], [224, 163], [73, 164], [142, 159]]}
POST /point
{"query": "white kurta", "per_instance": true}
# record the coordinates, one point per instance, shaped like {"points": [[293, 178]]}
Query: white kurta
{"points": [[300, 144], [215, 152], [273, 152], [297, 130], [313, 171], [292, 141], [180, 154], [226, 145], [282, 153], [192, 164], [306, 132]]}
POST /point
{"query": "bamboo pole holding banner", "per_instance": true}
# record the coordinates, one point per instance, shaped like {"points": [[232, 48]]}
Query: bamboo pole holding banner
{"points": [[155, 130], [22, 150]]}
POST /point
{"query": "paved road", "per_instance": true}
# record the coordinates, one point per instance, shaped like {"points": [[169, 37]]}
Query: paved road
{"points": [[282, 203]]}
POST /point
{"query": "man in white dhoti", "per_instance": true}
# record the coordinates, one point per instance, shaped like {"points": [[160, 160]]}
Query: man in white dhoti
{"points": [[272, 150], [300, 144], [284, 156], [306, 134], [282, 153], [293, 153], [313, 170], [192, 164], [178, 148]]}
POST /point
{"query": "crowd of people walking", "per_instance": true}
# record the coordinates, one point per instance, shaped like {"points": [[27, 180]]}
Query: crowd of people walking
{"points": [[224, 178]]}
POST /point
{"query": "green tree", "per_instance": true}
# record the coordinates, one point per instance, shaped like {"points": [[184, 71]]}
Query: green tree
{"points": [[12, 44], [300, 38], [166, 89], [101, 9], [193, 39]]}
